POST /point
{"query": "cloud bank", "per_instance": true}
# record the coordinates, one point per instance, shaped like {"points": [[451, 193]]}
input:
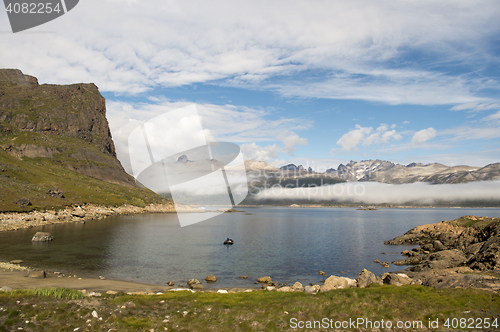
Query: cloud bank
{"points": [[379, 193], [327, 49]]}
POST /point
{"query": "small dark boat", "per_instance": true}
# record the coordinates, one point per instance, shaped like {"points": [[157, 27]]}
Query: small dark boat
{"points": [[229, 241]]}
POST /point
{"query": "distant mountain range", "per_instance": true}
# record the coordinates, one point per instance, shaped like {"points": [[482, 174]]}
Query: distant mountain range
{"points": [[383, 171]]}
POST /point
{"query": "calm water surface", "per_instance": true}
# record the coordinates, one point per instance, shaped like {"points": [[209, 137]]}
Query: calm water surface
{"points": [[284, 243]]}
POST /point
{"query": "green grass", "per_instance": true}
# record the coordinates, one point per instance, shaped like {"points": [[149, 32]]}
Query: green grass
{"points": [[32, 177], [255, 311], [466, 222], [57, 292]]}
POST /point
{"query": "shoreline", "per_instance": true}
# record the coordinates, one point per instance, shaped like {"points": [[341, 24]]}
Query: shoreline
{"points": [[10, 221], [17, 278]]}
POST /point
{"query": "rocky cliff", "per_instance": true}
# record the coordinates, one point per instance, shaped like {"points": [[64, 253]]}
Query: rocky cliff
{"points": [[464, 252], [62, 128]]}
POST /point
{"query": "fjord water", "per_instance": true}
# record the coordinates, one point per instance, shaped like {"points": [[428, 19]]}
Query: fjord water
{"points": [[288, 244]]}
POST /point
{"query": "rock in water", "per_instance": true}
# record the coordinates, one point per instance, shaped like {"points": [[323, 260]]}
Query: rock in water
{"points": [[265, 280], [211, 278], [197, 286], [193, 282], [42, 237], [170, 283], [16, 261]]}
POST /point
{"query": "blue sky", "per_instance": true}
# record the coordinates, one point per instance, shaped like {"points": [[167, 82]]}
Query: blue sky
{"points": [[312, 82]]}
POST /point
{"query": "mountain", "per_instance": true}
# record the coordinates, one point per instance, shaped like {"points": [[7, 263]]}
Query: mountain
{"points": [[57, 137], [388, 172]]}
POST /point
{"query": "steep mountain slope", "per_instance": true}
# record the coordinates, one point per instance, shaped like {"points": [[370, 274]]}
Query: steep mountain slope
{"points": [[57, 137]]}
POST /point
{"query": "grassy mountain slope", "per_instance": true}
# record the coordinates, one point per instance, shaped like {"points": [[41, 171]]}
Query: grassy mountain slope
{"points": [[57, 137]]}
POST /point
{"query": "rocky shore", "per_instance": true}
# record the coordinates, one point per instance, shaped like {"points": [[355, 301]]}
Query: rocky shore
{"points": [[461, 253], [14, 221]]}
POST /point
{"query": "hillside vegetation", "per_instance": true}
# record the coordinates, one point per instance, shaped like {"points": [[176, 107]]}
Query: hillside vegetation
{"points": [[56, 148]]}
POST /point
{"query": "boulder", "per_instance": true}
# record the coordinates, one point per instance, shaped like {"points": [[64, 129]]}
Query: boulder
{"points": [[78, 213], [197, 286], [405, 253], [211, 278], [170, 283], [366, 278], [297, 287], [193, 282], [397, 279], [351, 282], [310, 290], [265, 280], [54, 192], [42, 237], [285, 289], [438, 246], [23, 202], [37, 274], [6, 289], [336, 282], [326, 288]]}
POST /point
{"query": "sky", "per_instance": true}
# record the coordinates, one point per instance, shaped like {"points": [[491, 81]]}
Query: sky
{"points": [[313, 82]]}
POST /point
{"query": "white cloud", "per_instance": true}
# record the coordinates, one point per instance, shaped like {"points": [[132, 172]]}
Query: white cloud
{"points": [[476, 107], [366, 136], [253, 151], [423, 136], [290, 141], [351, 139], [132, 47], [495, 117], [238, 124]]}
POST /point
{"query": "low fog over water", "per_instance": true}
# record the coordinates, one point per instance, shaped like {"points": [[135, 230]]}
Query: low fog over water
{"points": [[378, 193]]}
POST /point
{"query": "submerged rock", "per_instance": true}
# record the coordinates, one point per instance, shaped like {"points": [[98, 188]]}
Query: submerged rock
{"points": [[42, 237]]}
